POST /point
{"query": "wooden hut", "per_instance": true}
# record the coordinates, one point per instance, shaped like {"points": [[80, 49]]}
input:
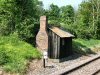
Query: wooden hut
{"points": [[59, 43]]}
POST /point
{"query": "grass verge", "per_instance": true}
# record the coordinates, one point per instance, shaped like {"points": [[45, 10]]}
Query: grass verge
{"points": [[84, 46], [15, 54]]}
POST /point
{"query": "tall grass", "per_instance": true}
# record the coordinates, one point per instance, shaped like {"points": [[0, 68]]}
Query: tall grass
{"points": [[14, 54], [84, 46], [88, 43]]}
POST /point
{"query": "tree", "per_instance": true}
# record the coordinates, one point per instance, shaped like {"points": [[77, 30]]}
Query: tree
{"points": [[95, 17], [83, 21], [87, 21], [53, 14], [6, 16], [67, 14], [67, 17], [19, 16]]}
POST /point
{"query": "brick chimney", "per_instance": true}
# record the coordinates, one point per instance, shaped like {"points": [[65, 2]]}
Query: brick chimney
{"points": [[42, 36]]}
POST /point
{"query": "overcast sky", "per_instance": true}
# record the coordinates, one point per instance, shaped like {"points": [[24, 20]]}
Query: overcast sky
{"points": [[60, 3]]}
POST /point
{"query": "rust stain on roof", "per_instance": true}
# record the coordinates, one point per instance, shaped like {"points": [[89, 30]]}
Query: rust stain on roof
{"points": [[61, 32]]}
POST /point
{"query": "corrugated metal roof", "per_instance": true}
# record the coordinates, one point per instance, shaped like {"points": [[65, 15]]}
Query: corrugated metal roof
{"points": [[61, 32]]}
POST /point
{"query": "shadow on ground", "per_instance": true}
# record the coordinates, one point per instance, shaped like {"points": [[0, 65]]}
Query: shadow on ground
{"points": [[78, 51]]}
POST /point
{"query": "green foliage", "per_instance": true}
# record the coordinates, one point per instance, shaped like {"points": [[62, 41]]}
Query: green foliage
{"points": [[67, 14], [67, 18], [15, 54], [88, 43], [54, 11], [83, 23], [83, 46], [19, 16], [53, 14], [6, 17], [61, 17], [87, 19]]}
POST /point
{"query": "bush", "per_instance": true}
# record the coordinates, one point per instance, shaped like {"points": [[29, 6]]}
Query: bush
{"points": [[14, 54], [3, 56]]}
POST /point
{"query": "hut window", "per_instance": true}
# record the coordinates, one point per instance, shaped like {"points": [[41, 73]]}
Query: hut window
{"points": [[63, 42]]}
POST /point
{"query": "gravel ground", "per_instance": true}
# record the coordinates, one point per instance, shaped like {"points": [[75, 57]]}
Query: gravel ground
{"points": [[36, 66], [98, 73], [89, 69]]}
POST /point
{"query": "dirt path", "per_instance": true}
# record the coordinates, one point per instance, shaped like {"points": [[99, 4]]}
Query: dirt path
{"points": [[36, 67]]}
